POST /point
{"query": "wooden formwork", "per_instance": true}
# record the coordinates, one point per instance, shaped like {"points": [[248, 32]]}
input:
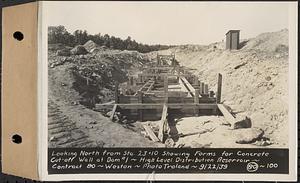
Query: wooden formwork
{"points": [[166, 88]]}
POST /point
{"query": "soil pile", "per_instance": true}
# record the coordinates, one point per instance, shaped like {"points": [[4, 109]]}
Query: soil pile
{"points": [[76, 83]]}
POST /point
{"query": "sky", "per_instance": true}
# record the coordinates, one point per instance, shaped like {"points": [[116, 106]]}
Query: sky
{"points": [[170, 23]]}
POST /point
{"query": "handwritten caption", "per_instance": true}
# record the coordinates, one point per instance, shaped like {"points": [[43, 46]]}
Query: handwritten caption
{"points": [[120, 160]]}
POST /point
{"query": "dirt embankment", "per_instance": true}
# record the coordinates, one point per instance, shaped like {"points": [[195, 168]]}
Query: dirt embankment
{"points": [[255, 78], [75, 83]]}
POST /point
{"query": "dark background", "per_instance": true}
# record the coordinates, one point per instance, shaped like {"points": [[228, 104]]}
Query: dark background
{"points": [[12, 179]]}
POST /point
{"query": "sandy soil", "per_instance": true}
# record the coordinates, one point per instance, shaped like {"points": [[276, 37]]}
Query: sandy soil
{"points": [[255, 79]]}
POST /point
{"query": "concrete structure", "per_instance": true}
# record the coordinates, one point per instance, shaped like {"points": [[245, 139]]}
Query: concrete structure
{"points": [[232, 39]]}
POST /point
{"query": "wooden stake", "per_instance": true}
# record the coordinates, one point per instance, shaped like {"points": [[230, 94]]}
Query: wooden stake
{"points": [[219, 88]]}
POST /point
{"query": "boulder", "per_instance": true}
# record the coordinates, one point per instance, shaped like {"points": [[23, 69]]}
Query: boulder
{"points": [[90, 45], [79, 50], [242, 122], [63, 52], [248, 135]]}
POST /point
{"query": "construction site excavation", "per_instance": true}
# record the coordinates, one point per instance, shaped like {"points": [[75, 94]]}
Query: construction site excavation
{"points": [[166, 92], [226, 94]]}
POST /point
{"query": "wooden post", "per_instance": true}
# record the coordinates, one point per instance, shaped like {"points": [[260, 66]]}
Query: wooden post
{"points": [[196, 101], [202, 87], [116, 92], [140, 100], [196, 96], [219, 88], [166, 88], [206, 89]]}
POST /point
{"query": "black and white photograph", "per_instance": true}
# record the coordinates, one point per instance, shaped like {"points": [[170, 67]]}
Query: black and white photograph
{"points": [[169, 90], [160, 75], [150, 91]]}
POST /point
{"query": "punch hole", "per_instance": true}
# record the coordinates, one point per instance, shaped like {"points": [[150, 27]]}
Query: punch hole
{"points": [[17, 139], [18, 35]]}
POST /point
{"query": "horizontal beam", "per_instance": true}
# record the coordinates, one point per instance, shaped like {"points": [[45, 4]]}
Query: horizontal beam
{"points": [[159, 106], [163, 74]]}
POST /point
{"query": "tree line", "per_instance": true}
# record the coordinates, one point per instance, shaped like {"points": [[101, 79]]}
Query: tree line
{"points": [[59, 34]]}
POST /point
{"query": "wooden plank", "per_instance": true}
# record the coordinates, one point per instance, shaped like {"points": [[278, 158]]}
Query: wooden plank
{"points": [[158, 106], [163, 74], [227, 115], [151, 134], [219, 88], [196, 101], [163, 120], [113, 112], [150, 87], [188, 86]]}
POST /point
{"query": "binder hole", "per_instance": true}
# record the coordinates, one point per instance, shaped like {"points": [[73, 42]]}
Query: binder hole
{"points": [[18, 36], [17, 139]]}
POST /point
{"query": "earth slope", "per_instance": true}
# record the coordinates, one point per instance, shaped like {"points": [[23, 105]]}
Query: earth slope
{"points": [[255, 78]]}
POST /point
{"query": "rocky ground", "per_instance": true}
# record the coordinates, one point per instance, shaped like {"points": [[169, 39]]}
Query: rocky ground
{"points": [[71, 120], [255, 84]]}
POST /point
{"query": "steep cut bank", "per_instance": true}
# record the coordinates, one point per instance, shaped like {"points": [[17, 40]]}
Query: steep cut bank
{"points": [[255, 78], [76, 81]]}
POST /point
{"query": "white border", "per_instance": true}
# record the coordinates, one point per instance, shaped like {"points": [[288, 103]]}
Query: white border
{"points": [[43, 132]]}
